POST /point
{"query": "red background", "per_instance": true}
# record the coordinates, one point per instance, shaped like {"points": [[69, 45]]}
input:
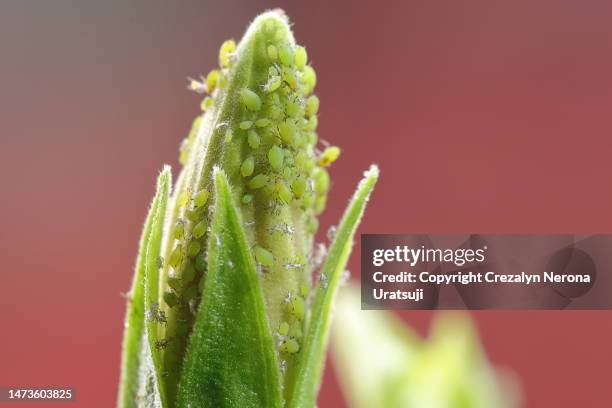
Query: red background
{"points": [[484, 117]]}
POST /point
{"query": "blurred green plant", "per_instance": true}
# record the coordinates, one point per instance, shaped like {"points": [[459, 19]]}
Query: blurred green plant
{"points": [[383, 364], [222, 310]]}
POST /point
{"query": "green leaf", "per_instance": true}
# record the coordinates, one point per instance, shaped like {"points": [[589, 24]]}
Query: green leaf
{"points": [[307, 377], [154, 318], [231, 359], [134, 320]]}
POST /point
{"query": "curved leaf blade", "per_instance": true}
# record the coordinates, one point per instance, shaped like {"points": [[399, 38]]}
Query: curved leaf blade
{"points": [[307, 377], [152, 314], [134, 319], [231, 359]]}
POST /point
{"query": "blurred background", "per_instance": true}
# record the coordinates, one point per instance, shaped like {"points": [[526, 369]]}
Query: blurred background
{"points": [[484, 116]]}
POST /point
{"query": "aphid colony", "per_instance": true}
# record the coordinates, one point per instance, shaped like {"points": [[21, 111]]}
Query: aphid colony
{"points": [[263, 126]]}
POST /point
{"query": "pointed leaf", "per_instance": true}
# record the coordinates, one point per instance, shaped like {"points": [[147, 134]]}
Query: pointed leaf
{"points": [[134, 319], [231, 359], [153, 316], [307, 377]]}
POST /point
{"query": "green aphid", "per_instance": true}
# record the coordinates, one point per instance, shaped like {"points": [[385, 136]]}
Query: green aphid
{"points": [[253, 139], [207, 103], [293, 109], [301, 57], [329, 156], [312, 123], [287, 171], [189, 272], [245, 124], [200, 198], [284, 194], [312, 105], [286, 55], [171, 299], [247, 198], [211, 80], [191, 292], [179, 229], [183, 198], [283, 328], [312, 224], [298, 186], [289, 77], [276, 157], [263, 122], [304, 290], [309, 80], [176, 257], [295, 330], [199, 229], [229, 135], [303, 162], [272, 52], [193, 248], [290, 346], [308, 200], [274, 82], [263, 256], [321, 181], [200, 262], [258, 181], [225, 53], [313, 138], [297, 307], [250, 99], [175, 284], [247, 167], [287, 132]]}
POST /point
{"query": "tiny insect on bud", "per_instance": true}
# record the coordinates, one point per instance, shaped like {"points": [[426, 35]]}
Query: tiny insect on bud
{"points": [[263, 256], [329, 156], [189, 272], [290, 346], [301, 57], [276, 157], [309, 80], [171, 299], [245, 125], [253, 139], [312, 105], [227, 48], [283, 328], [258, 181], [193, 248], [250, 99], [287, 132], [199, 229], [211, 80], [200, 198], [286, 55], [272, 52]]}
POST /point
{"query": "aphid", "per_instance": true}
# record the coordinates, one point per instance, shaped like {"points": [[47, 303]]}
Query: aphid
{"points": [[229, 135], [312, 105], [193, 248], [171, 299], [273, 83], [298, 186], [284, 193], [258, 181], [276, 157], [200, 263], [312, 224], [272, 52], [287, 132], [304, 289], [253, 139], [263, 122], [295, 330], [207, 103], [245, 125], [289, 77], [225, 52], [247, 167], [179, 229], [298, 307], [211, 80], [175, 283], [312, 123], [321, 181], [190, 293], [286, 55], [309, 80], [176, 256], [250, 99], [301, 57], [283, 328], [199, 229], [200, 198], [293, 109], [247, 198], [320, 204], [183, 198], [289, 346], [263, 256], [189, 272]]}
